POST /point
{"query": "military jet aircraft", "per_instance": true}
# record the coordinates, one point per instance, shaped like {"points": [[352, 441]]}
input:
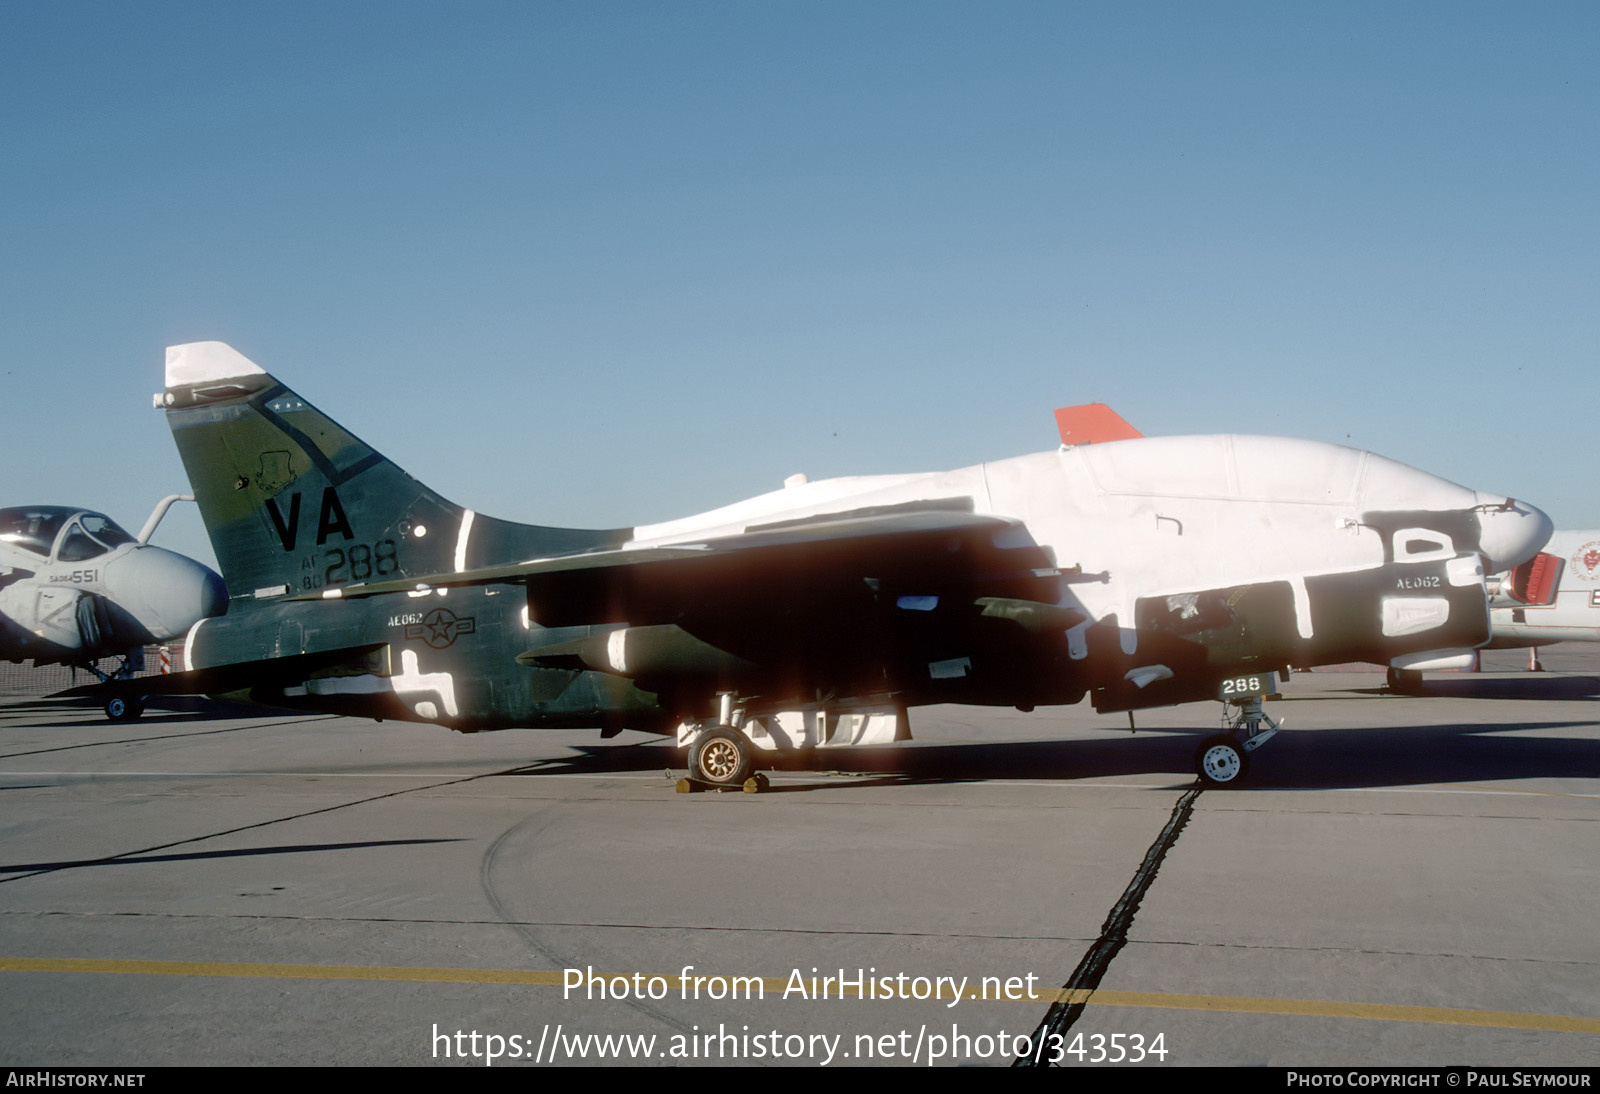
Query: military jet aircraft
{"points": [[1141, 572], [75, 588], [1554, 597]]}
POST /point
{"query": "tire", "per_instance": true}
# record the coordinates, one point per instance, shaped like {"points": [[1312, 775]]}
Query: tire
{"points": [[722, 758], [124, 708], [1221, 761]]}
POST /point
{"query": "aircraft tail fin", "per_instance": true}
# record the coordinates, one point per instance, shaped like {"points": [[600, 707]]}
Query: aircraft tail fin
{"points": [[1093, 423], [294, 502]]}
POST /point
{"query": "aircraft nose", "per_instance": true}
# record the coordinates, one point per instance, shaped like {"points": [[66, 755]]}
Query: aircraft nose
{"points": [[166, 593], [1513, 531]]}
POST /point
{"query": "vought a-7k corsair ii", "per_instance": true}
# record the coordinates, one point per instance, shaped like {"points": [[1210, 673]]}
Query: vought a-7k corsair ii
{"points": [[1142, 572]]}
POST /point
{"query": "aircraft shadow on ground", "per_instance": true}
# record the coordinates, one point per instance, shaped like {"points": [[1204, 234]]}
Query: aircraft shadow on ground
{"points": [[166, 710], [1324, 759], [195, 856], [1535, 688]]}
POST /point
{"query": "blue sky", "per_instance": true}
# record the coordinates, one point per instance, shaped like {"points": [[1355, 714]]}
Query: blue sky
{"points": [[612, 263]]}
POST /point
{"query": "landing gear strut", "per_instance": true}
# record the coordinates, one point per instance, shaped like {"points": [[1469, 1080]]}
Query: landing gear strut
{"points": [[122, 708], [1224, 759]]}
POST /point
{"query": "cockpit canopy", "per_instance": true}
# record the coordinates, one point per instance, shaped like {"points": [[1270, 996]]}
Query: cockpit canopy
{"points": [[61, 533]]}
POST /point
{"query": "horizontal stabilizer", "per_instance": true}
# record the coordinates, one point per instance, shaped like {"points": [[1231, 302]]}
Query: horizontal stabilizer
{"points": [[241, 676]]}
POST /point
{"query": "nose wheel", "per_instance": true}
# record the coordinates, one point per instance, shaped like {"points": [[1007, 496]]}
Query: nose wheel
{"points": [[1224, 759], [121, 708], [124, 708], [1221, 761]]}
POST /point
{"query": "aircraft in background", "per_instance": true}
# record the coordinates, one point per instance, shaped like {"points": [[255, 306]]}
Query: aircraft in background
{"points": [[75, 588], [1553, 597], [1144, 572]]}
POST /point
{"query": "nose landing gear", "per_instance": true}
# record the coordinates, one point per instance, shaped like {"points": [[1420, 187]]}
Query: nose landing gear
{"points": [[1224, 759], [122, 708]]}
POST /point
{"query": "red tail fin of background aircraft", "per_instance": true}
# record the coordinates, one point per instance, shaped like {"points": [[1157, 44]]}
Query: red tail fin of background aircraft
{"points": [[1093, 423]]}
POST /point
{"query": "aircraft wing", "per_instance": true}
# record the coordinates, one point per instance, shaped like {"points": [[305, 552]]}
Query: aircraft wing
{"points": [[625, 584], [848, 600]]}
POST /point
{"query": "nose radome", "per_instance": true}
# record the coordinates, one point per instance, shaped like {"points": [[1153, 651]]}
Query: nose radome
{"points": [[1513, 531], [165, 592], [213, 595]]}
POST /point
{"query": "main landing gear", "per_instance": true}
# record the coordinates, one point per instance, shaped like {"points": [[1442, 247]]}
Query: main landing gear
{"points": [[726, 747], [1224, 759], [722, 757]]}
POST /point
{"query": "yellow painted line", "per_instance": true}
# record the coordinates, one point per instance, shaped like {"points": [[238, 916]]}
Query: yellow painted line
{"points": [[774, 986]]}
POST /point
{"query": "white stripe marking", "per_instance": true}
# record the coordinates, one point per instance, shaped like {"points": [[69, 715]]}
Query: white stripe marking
{"points": [[1302, 606], [188, 646], [461, 540]]}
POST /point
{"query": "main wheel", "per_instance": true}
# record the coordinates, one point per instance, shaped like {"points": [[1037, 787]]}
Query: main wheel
{"points": [[1221, 761], [124, 708], [722, 757]]}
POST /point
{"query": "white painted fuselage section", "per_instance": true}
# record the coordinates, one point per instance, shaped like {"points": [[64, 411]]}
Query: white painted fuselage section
{"points": [[1167, 515]]}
